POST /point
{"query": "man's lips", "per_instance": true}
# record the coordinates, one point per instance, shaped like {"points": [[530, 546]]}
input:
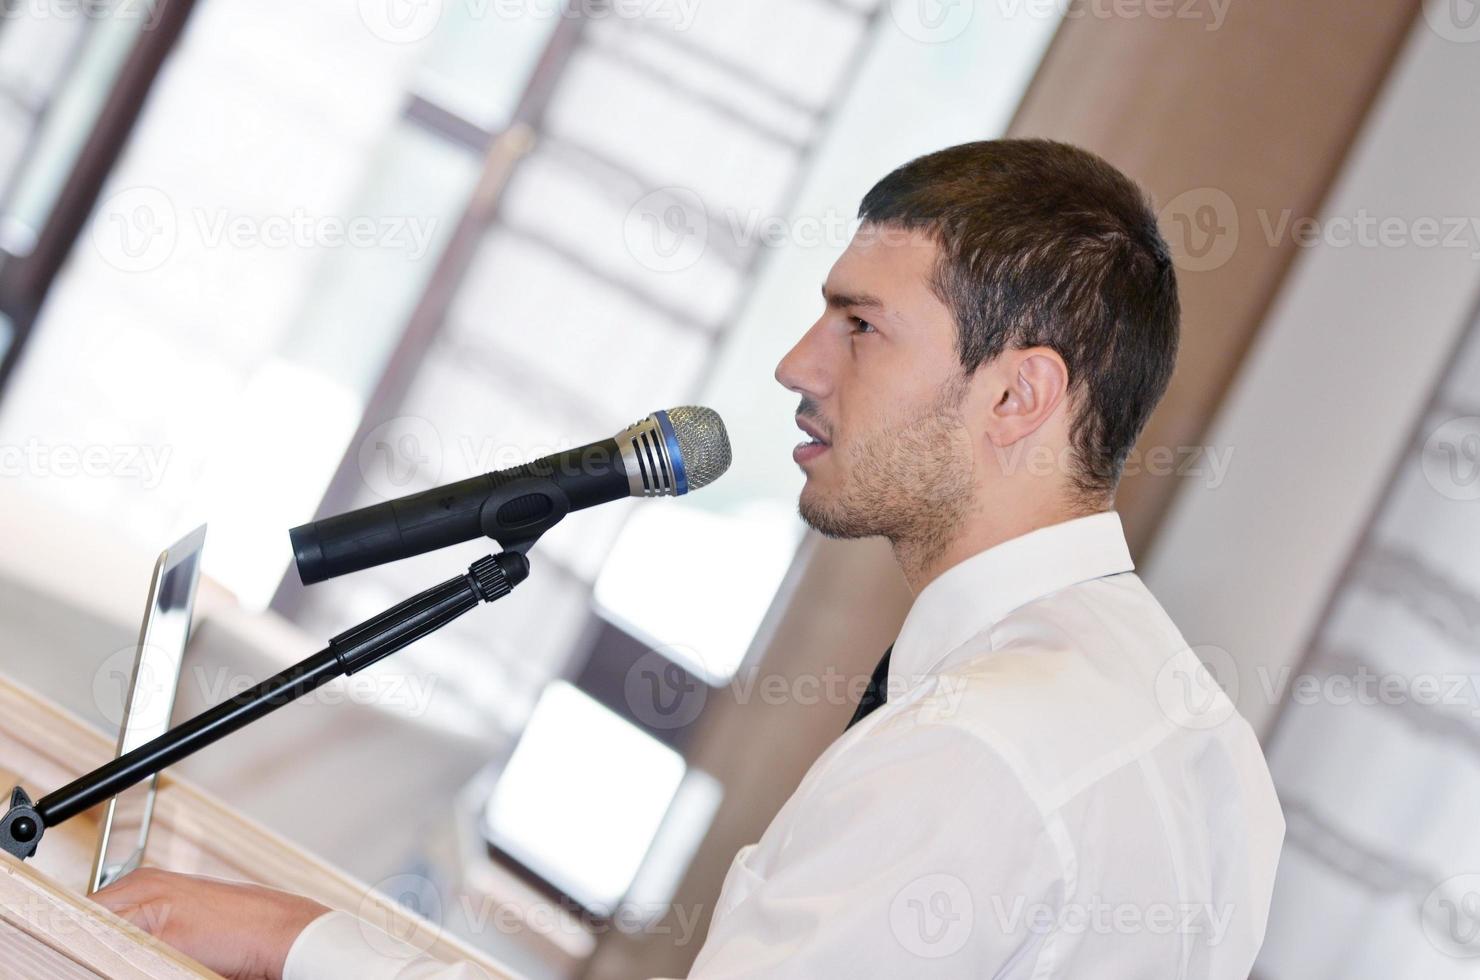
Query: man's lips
{"points": [[809, 450], [811, 430]]}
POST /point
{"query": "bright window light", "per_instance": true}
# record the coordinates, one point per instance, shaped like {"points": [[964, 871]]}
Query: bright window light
{"points": [[582, 797], [695, 584], [269, 469]]}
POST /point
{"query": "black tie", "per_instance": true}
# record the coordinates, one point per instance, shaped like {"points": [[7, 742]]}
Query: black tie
{"points": [[877, 691]]}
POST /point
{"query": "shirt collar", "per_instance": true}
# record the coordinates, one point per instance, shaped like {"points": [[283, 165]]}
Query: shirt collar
{"points": [[974, 594]]}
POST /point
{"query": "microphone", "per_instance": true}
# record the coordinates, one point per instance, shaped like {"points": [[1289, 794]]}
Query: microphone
{"points": [[667, 454]]}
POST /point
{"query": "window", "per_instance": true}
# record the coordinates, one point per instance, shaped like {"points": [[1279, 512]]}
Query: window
{"points": [[566, 219], [1375, 754], [72, 79]]}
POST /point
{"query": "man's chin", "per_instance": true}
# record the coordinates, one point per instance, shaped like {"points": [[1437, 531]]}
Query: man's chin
{"points": [[826, 518]]}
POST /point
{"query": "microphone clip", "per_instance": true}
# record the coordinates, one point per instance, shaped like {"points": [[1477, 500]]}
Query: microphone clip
{"points": [[517, 513]]}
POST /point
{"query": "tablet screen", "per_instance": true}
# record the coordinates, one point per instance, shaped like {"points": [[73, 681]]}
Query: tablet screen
{"points": [[148, 702]]}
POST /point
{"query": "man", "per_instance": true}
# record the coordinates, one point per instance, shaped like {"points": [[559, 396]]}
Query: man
{"points": [[1041, 780]]}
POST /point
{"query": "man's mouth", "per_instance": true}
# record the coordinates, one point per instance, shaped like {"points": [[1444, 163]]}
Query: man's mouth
{"points": [[813, 447]]}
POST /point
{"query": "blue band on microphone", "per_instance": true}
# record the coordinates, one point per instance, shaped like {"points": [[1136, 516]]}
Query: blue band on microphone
{"points": [[679, 476]]}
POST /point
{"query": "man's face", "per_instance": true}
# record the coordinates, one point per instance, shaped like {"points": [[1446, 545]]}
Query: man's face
{"points": [[882, 387]]}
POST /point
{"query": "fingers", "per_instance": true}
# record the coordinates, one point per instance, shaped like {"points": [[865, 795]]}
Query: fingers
{"points": [[117, 895], [141, 897], [152, 917], [138, 915]]}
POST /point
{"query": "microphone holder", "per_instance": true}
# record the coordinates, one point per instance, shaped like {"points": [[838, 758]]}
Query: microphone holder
{"points": [[487, 580]]}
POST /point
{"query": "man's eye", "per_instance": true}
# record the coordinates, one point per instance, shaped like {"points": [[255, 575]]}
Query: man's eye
{"points": [[861, 326]]}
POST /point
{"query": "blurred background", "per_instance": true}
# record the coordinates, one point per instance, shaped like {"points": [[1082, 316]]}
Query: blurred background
{"points": [[265, 261]]}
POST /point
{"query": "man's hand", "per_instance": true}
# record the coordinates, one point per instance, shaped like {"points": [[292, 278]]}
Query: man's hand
{"points": [[241, 931]]}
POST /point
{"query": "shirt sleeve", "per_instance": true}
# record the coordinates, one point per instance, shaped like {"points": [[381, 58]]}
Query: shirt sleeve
{"points": [[915, 853], [339, 946]]}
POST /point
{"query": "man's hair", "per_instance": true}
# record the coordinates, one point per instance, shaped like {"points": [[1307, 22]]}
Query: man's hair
{"points": [[1045, 244]]}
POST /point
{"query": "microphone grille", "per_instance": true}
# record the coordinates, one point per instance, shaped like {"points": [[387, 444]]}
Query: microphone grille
{"points": [[702, 442]]}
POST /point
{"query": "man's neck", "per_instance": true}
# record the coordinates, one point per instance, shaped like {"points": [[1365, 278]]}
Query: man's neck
{"points": [[923, 562]]}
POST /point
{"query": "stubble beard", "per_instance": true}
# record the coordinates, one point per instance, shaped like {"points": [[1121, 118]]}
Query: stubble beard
{"points": [[909, 481]]}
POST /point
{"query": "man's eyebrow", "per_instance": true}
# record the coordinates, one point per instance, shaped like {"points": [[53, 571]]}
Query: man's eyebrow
{"points": [[857, 300]]}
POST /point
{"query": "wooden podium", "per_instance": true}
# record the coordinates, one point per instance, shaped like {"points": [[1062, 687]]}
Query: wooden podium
{"points": [[50, 931]]}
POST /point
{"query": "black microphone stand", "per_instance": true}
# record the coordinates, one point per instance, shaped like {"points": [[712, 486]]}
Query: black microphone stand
{"points": [[487, 580]]}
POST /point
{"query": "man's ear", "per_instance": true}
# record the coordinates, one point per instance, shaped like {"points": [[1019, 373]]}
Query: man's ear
{"points": [[1026, 386]]}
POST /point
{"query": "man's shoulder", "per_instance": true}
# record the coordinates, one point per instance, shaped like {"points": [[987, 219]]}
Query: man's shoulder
{"points": [[1078, 685]]}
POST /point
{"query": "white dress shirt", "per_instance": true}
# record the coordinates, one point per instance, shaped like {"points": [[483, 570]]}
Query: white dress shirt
{"points": [[1055, 788]]}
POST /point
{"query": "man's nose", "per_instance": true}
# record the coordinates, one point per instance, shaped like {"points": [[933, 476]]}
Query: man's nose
{"points": [[803, 369]]}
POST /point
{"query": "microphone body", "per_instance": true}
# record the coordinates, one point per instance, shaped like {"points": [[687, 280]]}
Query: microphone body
{"points": [[516, 505]]}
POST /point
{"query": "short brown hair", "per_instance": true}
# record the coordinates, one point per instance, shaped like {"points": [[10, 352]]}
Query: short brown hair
{"points": [[1045, 244]]}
